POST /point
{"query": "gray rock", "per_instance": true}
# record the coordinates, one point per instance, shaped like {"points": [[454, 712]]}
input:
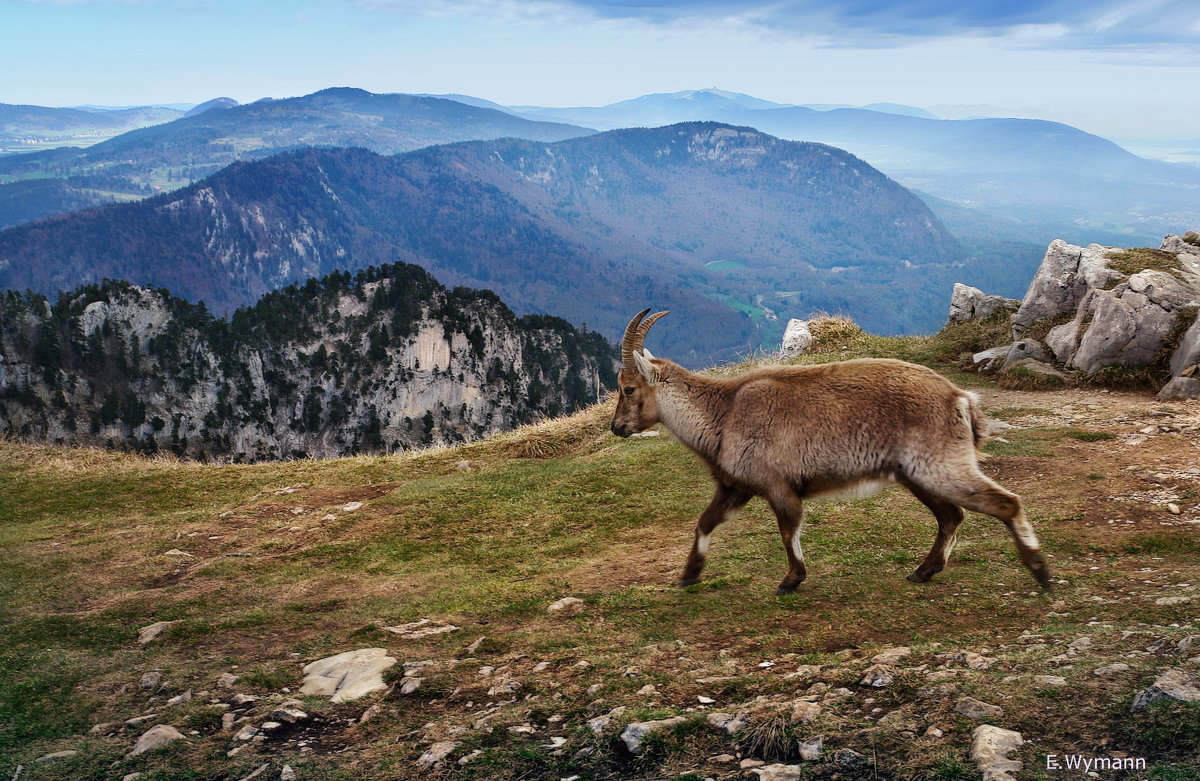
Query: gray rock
{"points": [[797, 338], [418, 629], [891, 655], [971, 303], [567, 606], [256, 772], [348, 675], [1066, 274], [990, 360], [1180, 388], [148, 633], [778, 772], [1036, 367], [287, 774], [410, 685], [804, 711], [849, 758], [436, 754], [1174, 684], [226, 681], [811, 749], [155, 737], [243, 699], [634, 734], [150, 681], [1028, 348], [179, 699], [975, 709], [730, 723], [877, 675], [990, 747], [56, 756]]}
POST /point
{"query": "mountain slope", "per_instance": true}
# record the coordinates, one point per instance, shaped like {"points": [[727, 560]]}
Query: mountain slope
{"points": [[385, 360], [733, 228], [1048, 178], [168, 156]]}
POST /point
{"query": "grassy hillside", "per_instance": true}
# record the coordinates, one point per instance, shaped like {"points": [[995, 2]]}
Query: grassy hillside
{"points": [[270, 566]]}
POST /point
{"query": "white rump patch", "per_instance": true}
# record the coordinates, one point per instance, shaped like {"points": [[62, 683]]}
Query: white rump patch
{"points": [[859, 490]]}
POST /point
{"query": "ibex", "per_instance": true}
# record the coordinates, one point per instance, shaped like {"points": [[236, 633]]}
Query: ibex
{"points": [[789, 433]]}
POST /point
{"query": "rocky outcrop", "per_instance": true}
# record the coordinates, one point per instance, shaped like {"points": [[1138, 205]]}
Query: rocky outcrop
{"points": [[797, 338], [971, 303], [1105, 307], [388, 360]]}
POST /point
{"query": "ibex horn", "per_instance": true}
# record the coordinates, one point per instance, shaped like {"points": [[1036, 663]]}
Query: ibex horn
{"points": [[635, 334]]}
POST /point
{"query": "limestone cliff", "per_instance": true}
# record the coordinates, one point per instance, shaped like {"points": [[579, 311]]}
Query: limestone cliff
{"points": [[385, 360]]}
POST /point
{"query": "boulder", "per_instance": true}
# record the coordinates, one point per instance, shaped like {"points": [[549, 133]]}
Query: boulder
{"points": [[797, 338], [348, 675], [1065, 276], [729, 723], [148, 633], [436, 754], [990, 747], [970, 303], [990, 360]]}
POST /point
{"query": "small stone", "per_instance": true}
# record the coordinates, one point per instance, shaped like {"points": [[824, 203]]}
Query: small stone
{"points": [[567, 606], [179, 699], [989, 748], [256, 772], [731, 724], [148, 633], [226, 681], [1173, 508], [849, 758], [649, 690], [891, 655], [1111, 669], [150, 681], [1174, 684], [700, 698], [370, 713], [132, 776], [804, 711], [722, 759], [350, 507], [635, 733], [243, 699], [104, 728], [436, 754], [288, 714], [1172, 600], [473, 647], [246, 732], [155, 737], [1080, 644], [1051, 680], [137, 721], [56, 756], [975, 709], [750, 762], [877, 676], [227, 720], [934, 732], [811, 749], [779, 772], [972, 660], [463, 465], [466, 758], [287, 774], [418, 629], [410, 685], [270, 726], [347, 676]]}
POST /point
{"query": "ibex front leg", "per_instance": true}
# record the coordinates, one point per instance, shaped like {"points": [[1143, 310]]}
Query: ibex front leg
{"points": [[724, 505], [789, 511]]}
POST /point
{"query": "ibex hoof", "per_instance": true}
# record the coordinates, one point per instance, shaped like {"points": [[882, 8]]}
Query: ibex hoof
{"points": [[1043, 578], [918, 576], [685, 582], [784, 590]]}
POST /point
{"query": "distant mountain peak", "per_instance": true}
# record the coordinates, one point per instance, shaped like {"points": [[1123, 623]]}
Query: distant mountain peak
{"points": [[208, 105]]}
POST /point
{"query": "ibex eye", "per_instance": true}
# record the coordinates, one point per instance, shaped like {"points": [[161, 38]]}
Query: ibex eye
{"points": [[629, 391]]}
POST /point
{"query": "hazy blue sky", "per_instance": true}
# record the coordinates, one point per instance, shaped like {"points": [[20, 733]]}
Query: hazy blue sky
{"points": [[1116, 68]]}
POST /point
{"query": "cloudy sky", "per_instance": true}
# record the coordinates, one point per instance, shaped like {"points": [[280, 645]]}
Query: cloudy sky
{"points": [[1120, 68]]}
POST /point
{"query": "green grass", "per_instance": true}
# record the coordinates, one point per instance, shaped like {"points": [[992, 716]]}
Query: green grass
{"points": [[1131, 261], [559, 509]]}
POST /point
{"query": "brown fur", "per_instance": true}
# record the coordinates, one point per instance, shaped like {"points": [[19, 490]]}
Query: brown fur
{"points": [[792, 432]]}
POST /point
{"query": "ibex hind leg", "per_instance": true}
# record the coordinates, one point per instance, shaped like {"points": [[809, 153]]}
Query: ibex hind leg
{"points": [[789, 512], [980, 494], [948, 516]]}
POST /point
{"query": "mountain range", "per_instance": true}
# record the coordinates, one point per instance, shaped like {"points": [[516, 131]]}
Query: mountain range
{"points": [[732, 228], [168, 156]]}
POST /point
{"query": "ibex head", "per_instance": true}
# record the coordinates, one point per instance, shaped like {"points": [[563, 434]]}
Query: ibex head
{"points": [[636, 406]]}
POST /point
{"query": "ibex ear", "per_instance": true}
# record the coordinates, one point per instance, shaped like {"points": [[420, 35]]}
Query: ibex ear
{"points": [[645, 368]]}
